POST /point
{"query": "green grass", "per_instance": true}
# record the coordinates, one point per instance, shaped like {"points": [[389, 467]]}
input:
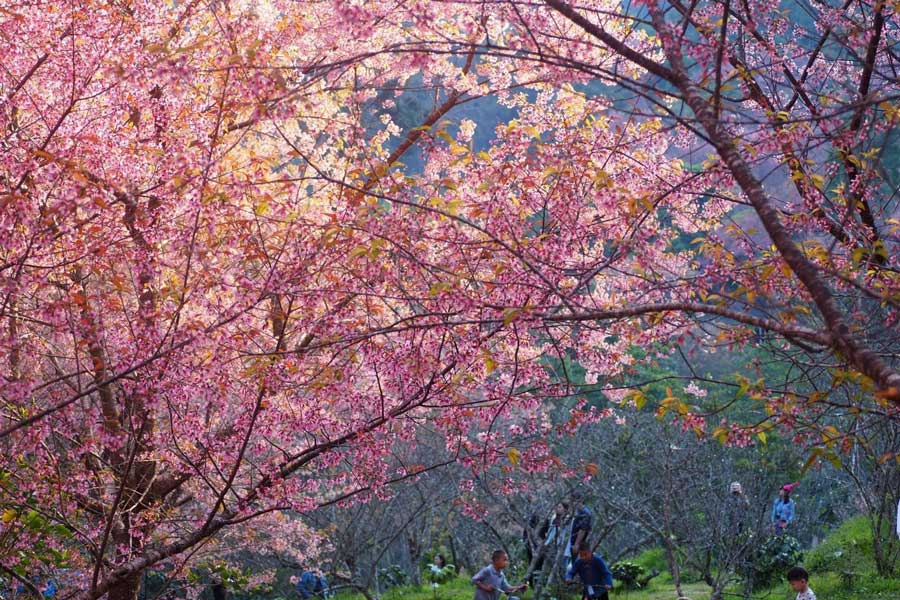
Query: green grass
{"points": [[654, 558], [459, 588], [661, 588], [848, 548]]}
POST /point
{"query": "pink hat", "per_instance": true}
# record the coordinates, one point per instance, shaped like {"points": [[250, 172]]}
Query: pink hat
{"points": [[790, 486]]}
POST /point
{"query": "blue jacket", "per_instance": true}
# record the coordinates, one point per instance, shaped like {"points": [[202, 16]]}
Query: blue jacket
{"points": [[311, 585], [782, 511], [49, 590], [592, 572]]}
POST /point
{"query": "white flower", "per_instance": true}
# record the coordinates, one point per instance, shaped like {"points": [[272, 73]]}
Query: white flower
{"points": [[466, 130], [695, 390]]}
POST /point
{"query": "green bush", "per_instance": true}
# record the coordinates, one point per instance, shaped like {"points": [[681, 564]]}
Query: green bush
{"points": [[771, 560], [392, 576], [628, 573], [440, 575]]}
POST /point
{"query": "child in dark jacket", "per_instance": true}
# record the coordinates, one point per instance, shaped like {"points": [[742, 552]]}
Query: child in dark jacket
{"points": [[593, 572]]}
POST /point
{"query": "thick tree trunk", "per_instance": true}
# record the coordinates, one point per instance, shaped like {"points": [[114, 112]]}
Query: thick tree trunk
{"points": [[883, 541], [126, 588], [672, 561], [414, 549]]}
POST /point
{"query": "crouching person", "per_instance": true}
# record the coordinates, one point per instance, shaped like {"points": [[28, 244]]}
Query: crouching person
{"points": [[490, 581], [593, 572]]}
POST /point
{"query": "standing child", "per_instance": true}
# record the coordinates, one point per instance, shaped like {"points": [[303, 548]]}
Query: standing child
{"points": [[799, 580], [593, 572], [490, 581]]}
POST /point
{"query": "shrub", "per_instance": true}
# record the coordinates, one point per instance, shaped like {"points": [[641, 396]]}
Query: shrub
{"points": [[771, 560], [392, 576], [440, 575], [628, 573]]}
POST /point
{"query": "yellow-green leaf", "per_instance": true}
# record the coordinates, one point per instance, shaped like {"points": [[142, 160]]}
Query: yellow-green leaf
{"points": [[510, 315], [358, 251], [640, 399]]}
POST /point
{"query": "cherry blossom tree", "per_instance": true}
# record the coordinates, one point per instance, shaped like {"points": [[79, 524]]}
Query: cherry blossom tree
{"points": [[224, 295]]}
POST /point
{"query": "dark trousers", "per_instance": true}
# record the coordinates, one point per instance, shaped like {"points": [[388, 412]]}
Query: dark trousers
{"points": [[604, 595]]}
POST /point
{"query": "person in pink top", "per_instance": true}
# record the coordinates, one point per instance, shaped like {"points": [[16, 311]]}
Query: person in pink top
{"points": [[783, 508]]}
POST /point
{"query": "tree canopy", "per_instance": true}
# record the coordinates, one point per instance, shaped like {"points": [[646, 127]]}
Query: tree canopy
{"points": [[233, 282]]}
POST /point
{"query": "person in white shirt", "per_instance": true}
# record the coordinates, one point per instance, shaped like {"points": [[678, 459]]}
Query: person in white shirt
{"points": [[799, 580], [898, 519]]}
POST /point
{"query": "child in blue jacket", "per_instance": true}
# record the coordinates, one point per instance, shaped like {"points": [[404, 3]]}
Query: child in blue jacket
{"points": [[593, 572]]}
